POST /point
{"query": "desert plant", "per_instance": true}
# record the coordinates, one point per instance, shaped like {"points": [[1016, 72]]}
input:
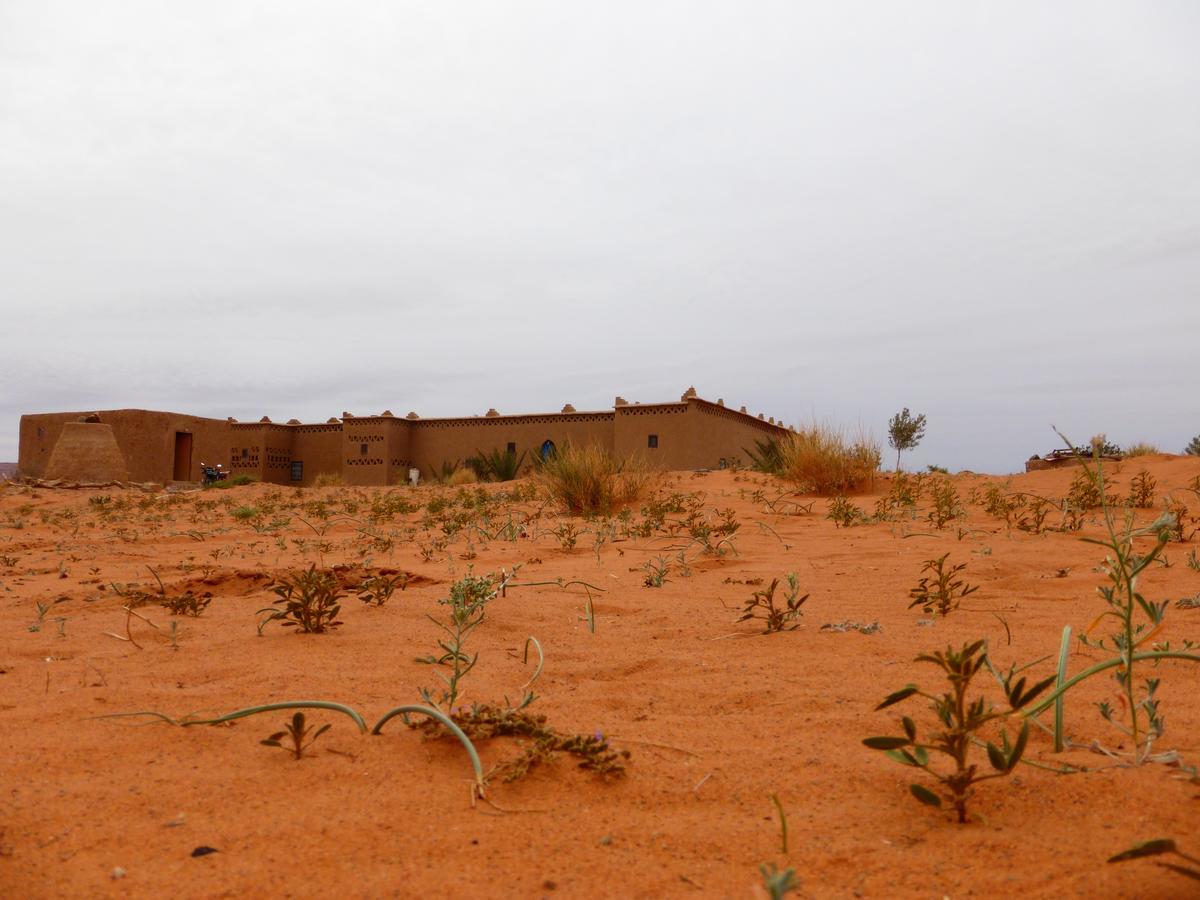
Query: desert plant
{"points": [[481, 722], [297, 732], [328, 480], [762, 605], [1193, 447], [961, 719], [1160, 847], [778, 883], [766, 457], [845, 514], [905, 432], [941, 590], [1084, 492], [656, 572], [946, 503], [498, 465], [378, 589], [822, 459], [591, 480], [1138, 620], [186, 604], [309, 601], [1141, 491], [466, 606]]}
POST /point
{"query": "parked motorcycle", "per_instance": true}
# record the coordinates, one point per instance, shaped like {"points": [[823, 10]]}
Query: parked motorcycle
{"points": [[213, 474]]}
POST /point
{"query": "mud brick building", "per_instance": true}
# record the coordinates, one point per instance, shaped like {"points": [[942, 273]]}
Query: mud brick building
{"points": [[144, 445]]}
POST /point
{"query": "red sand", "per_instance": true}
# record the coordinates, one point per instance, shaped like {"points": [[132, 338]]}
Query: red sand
{"points": [[715, 723]]}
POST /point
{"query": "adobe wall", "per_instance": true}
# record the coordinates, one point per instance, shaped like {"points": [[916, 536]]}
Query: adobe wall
{"points": [[319, 449], [146, 439], [375, 450], [672, 424], [262, 450], [721, 433], [435, 441], [691, 434], [379, 450]]}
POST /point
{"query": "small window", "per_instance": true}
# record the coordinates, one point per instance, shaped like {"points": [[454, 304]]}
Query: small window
{"points": [[512, 447], [362, 451], [297, 470], [548, 449], [245, 452], [652, 442]]}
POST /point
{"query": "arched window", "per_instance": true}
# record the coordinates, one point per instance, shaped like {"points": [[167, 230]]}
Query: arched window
{"points": [[548, 449]]}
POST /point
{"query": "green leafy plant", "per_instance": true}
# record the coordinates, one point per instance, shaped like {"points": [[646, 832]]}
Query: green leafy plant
{"points": [[946, 504], [941, 590], [1138, 620], [186, 604], [905, 432], [656, 572], [775, 617], [309, 601], [1193, 447], [466, 610], [845, 514], [1160, 847], [776, 882], [498, 465], [377, 590], [765, 458], [960, 718], [297, 732]]}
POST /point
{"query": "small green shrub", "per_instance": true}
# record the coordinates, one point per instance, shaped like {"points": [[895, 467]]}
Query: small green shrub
{"points": [[960, 719], [498, 465], [309, 601], [377, 590], [766, 458], [296, 731], [762, 605], [941, 590], [845, 514]]}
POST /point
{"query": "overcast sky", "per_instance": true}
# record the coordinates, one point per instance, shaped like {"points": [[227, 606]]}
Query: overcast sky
{"points": [[987, 212]]}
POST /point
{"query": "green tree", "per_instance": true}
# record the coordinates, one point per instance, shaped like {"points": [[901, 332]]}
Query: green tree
{"points": [[1193, 449], [905, 431]]}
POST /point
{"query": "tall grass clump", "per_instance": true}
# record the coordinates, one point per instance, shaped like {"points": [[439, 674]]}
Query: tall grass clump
{"points": [[592, 480], [1141, 448], [823, 460]]}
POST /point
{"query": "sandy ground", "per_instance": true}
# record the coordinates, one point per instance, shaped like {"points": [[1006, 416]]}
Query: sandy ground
{"points": [[717, 718]]}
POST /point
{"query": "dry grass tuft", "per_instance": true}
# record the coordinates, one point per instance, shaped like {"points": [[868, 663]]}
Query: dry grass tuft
{"points": [[821, 459], [328, 479], [592, 480], [461, 476], [1141, 448]]}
